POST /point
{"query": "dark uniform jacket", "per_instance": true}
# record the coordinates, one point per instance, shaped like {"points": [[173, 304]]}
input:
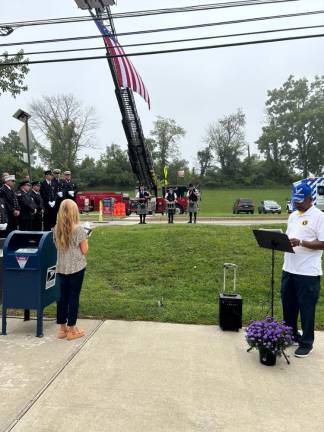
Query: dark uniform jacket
{"points": [[10, 199], [11, 204], [69, 186], [39, 204], [3, 212], [27, 206], [143, 196], [171, 196], [48, 193], [193, 195]]}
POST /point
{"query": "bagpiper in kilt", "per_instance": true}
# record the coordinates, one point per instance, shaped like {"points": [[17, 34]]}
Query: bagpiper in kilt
{"points": [[170, 200], [142, 207], [193, 196]]}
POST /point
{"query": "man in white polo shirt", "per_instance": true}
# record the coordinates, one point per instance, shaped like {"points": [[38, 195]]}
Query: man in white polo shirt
{"points": [[302, 270]]}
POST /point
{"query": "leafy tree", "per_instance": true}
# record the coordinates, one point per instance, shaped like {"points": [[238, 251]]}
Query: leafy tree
{"points": [[163, 142], [12, 76], [66, 126], [294, 131], [226, 138], [11, 151], [205, 159], [175, 166], [114, 167]]}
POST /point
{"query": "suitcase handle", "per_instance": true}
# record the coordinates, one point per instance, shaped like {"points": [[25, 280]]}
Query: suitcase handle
{"points": [[228, 266]]}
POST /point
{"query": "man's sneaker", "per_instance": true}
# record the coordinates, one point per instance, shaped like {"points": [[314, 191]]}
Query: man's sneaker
{"points": [[297, 339], [303, 351]]}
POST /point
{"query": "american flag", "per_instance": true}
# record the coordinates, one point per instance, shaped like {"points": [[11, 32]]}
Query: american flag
{"points": [[127, 75]]}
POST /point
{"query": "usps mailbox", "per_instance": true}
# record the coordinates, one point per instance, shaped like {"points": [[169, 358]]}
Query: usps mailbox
{"points": [[29, 274]]}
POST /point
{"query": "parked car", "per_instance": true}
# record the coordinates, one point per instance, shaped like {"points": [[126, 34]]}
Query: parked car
{"points": [[243, 205], [269, 206]]}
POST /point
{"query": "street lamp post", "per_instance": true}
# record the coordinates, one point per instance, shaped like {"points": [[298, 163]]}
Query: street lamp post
{"points": [[23, 116], [5, 30]]}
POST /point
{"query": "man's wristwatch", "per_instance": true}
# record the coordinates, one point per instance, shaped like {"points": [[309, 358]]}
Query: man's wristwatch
{"points": [[301, 243]]}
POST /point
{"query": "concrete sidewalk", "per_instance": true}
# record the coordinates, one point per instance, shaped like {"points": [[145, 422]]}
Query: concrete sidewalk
{"points": [[28, 364], [144, 376]]}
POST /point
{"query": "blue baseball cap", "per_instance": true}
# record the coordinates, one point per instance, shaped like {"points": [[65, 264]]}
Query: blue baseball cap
{"points": [[300, 192]]}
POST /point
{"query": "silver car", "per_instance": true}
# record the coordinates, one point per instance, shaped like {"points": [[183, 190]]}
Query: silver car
{"points": [[269, 206]]}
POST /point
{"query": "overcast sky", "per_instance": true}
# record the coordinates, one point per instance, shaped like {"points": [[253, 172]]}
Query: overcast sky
{"points": [[194, 88]]}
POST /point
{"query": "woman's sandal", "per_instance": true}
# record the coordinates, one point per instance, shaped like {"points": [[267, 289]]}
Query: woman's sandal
{"points": [[62, 334], [75, 334]]}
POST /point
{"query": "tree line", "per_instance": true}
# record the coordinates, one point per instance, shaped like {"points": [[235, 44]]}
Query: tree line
{"points": [[291, 144]]}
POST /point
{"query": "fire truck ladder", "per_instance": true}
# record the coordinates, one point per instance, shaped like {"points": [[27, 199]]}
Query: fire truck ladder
{"points": [[139, 154]]}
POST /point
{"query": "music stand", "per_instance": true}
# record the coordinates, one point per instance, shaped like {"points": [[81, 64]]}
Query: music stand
{"points": [[273, 240]]}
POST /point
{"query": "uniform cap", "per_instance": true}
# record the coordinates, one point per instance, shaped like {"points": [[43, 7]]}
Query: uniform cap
{"points": [[67, 172], [56, 171], [34, 183], [48, 172], [9, 177], [24, 182]]}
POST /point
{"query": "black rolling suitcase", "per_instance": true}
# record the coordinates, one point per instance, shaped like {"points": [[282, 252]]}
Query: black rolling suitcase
{"points": [[230, 304]]}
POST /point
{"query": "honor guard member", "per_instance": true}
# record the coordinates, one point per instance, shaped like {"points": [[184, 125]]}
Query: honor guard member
{"points": [[142, 208], [3, 218], [7, 192], [3, 175], [193, 196], [58, 186], [170, 199], [27, 206], [69, 188], [48, 193], [37, 221]]}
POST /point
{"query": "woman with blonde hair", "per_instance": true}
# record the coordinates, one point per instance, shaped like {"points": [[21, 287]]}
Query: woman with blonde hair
{"points": [[72, 246]]}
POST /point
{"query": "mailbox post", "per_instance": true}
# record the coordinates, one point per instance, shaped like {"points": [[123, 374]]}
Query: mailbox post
{"points": [[29, 274]]}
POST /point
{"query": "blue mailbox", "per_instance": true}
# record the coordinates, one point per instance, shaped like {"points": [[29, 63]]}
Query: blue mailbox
{"points": [[29, 274]]}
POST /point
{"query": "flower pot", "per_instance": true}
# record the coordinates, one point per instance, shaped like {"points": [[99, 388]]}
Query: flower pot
{"points": [[267, 357]]}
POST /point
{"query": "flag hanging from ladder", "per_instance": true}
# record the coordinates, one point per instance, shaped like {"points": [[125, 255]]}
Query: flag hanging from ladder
{"points": [[127, 75]]}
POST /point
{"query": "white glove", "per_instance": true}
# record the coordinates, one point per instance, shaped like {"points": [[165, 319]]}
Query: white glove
{"points": [[51, 203], [3, 227], [60, 194], [71, 193]]}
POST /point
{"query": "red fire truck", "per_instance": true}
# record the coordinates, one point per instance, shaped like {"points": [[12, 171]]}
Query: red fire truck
{"points": [[89, 201]]}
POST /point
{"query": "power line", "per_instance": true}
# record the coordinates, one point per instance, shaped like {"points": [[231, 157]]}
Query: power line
{"points": [[168, 51], [240, 21], [144, 13], [170, 41]]}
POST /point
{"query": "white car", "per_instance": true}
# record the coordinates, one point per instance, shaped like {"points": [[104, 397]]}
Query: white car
{"points": [[269, 206]]}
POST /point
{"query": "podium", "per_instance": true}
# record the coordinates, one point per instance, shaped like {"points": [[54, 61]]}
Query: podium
{"points": [[274, 240]]}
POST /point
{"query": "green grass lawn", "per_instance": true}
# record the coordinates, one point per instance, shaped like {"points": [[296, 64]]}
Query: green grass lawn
{"points": [[219, 202], [130, 269]]}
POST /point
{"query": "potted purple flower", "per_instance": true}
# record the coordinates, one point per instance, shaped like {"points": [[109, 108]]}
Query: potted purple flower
{"points": [[270, 337]]}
